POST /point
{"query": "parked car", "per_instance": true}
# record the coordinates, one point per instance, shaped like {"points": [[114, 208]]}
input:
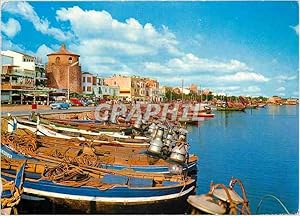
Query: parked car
{"points": [[75, 102], [87, 102], [60, 105]]}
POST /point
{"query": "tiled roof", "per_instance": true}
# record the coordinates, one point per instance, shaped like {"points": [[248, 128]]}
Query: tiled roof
{"points": [[63, 51]]}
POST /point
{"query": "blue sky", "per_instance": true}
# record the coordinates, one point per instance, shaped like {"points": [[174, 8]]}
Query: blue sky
{"points": [[241, 48]]}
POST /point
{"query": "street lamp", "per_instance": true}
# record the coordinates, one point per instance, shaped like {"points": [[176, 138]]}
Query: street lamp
{"points": [[70, 65]]}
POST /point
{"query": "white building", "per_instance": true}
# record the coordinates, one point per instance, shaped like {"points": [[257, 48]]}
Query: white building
{"points": [[92, 84], [88, 81], [23, 77], [21, 71]]}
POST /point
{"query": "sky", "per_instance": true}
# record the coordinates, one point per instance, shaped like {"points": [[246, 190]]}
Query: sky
{"points": [[238, 48]]}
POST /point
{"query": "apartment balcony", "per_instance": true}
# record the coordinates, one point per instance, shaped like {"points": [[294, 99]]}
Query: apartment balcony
{"points": [[16, 85]]}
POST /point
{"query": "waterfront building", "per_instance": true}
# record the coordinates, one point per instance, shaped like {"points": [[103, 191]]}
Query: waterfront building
{"points": [[193, 88], [64, 70], [89, 80], [152, 90], [23, 78], [124, 83], [163, 92], [135, 87], [275, 100], [92, 84], [186, 91], [176, 90]]}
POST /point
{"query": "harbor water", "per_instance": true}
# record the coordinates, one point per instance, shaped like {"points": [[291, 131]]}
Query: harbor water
{"points": [[259, 146]]}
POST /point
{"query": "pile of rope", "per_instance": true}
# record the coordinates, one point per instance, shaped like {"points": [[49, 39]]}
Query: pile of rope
{"points": [[73, 176], [24, 144], [9, 202]]}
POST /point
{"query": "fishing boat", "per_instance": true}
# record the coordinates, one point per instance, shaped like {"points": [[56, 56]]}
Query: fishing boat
{"points": [[231, 109], [251, 106], [12, 191], [69, 133], [89, 153], [260, 105], [102, 191]]}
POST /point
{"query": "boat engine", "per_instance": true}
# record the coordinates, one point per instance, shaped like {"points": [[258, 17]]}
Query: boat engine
{"points": [[138, 124], [168, 144], [182, 134], [156, 144], [152, 130], [179, 153]]}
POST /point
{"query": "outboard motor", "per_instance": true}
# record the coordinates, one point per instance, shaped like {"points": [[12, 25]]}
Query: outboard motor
{"points": [[152, 128], [168, 144], [138, 123], [183, 133], [179, 153], [156, 144]]}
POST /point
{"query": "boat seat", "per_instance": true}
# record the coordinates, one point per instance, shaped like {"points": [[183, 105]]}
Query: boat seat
{"points": [[114, 179], [139, 182]]}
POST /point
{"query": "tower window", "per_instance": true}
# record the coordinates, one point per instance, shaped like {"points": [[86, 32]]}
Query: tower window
{"points": [[57, 60], [70, 60]]}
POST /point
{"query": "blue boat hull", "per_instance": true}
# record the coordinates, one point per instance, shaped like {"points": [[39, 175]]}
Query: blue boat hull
{"points": [[119, 199]]}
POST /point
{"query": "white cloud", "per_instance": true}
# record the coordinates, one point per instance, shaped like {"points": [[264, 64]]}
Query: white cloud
{"points": [[226, 88], [109, 46], [42, 52], [295, 28], [280, 89], [9, 45], [252, 89], [243, 76], [284, 78], [107, 34], [26, 11], [282, 94], [11, 28], [192, 63]]}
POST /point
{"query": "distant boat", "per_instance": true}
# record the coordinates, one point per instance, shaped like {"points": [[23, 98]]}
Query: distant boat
{"points": [[251, 106], [93, 191], [231, 108], [262, 105]]}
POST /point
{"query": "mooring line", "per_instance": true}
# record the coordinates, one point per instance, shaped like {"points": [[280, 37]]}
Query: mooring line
{"points": [[274, 197]]}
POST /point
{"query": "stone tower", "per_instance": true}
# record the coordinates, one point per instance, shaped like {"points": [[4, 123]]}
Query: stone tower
{"points": [[59, 63]]}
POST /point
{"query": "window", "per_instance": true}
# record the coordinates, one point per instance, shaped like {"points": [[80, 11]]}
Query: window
{"points": [[89, 79], [83, 79], [70, 60], [83, 88], [57, 60], [115, 83], [89, 88]]}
